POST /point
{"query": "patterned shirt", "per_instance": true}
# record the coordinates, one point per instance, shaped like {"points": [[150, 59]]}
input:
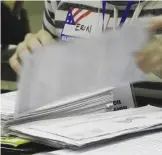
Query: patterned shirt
{"points": [[56, 12]]}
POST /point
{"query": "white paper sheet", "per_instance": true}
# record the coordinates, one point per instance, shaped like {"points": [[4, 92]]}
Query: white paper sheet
{"points": [[64, 71], [8, 102], [80, 105], [82, 130], [7, 109], [143, 145]]}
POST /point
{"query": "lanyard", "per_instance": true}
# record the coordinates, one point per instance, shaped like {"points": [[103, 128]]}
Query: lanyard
{"points": [[126, 12], [103, 12], [124, 15]]}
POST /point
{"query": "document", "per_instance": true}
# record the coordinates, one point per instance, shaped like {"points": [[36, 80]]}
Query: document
{"points": [[95, 102], [78, 131], [8, 102], [148, 144], [7, 108]]}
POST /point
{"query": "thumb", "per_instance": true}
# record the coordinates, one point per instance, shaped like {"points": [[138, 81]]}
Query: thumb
{"points": [[155, 23]]}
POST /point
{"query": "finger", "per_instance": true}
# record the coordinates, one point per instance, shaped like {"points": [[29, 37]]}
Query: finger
{"points": [[44, 37], [149, 61], [150, 55], [32, 43], [156, 23], [156, 56], [28, 36], [14, 63], [158, 70], [141, 58], [15, 59], [21, 48], [157, 63]]}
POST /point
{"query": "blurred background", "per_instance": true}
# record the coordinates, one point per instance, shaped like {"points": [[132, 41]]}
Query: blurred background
{"points": [[35, 14], [17, 19]]}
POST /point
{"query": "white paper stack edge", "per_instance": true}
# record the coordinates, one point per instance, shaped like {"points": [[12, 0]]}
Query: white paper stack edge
{"points": [[81, 105], [8, 102], [79, 131]]}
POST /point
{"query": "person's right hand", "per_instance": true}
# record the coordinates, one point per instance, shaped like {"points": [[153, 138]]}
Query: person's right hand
{"points": [[149, 59], [31, 42]]}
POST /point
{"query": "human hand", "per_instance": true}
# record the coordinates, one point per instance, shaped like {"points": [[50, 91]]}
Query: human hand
{"points": [[149, 59], [31, 42]]}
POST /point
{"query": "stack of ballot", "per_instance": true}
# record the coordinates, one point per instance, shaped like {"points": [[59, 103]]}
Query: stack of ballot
{"points": [[80, 105], [81, 131], [8, 102], [147, 144], [65, 72]]}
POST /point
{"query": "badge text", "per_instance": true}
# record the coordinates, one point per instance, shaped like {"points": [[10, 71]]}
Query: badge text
{"points": [[80, 27]]}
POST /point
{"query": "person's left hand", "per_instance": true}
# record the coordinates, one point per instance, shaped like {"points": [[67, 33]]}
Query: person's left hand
{"points": [[149, 59]]}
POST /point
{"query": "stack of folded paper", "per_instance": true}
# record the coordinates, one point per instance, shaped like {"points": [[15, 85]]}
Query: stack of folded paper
{"points": [[79, 131], [8, 102], [122, 146], [83, 104], [62, 72]]}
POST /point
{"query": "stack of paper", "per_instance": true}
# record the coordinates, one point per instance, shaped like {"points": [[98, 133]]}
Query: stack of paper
{"points": [[65, 71], [80, 105], [148, 144], [78, 131], [8, 102]]}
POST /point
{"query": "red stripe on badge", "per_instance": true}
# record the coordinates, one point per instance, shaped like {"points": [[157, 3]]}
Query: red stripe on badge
{"points": [[77, 12], [82, 16]]}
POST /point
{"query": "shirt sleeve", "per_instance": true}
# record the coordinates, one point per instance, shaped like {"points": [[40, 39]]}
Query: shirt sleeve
{"points": [[49, 17]]}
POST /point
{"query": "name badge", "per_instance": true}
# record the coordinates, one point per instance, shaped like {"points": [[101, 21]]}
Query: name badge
{"points": [[82, 23]]}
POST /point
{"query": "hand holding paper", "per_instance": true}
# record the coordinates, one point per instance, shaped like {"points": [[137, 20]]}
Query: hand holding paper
{"points": [[149, 59], [65, 71]]}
